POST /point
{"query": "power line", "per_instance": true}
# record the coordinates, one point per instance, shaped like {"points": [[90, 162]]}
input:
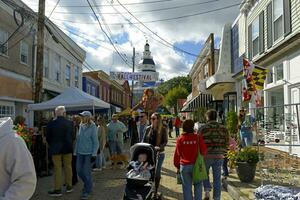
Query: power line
{"points": [[109, 30], [106, 34], [177, 48], [22, 38], [103, 5], [144, 11], [169, 46], [54, 8], [88, 66], [158, 20]]}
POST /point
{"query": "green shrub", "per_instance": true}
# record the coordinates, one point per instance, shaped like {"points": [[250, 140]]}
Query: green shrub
{"points": [[232, 123], [248, 154]]}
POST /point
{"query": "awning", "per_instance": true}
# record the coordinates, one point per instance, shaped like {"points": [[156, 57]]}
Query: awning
{"points": [[73, 99], [200, 101]]}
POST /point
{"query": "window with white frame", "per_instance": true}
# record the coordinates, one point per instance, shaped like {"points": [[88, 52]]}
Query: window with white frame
{"points": [[279, 72], [255, 37], [270, 76], [3, 43], [93, 91], [104, 93], [277, 19], [6, 111], [206, 71], [76, 76], [24, 52], [46, 63], [56, 67], [68, 74], [275, 74], [88, 88]]}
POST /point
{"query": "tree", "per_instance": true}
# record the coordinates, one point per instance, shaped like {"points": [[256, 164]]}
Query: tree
{"points": [[183, 81], [174, 94]]}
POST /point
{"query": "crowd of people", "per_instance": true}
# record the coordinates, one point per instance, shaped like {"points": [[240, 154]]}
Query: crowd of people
{"points": [[76, 146]]}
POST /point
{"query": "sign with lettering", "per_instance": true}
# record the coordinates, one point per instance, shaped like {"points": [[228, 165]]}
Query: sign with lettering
{"points": [[135, 76]]}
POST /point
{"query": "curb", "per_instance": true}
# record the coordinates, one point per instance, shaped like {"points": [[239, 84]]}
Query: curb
{"points": [[235, 193]]}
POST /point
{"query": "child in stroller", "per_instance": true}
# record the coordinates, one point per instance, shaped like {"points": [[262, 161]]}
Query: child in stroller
{"points": [[140, 169], [141, 172]]}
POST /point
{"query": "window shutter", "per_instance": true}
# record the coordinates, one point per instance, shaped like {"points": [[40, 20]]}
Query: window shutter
{"points": [[269, 25], [287, 17], [250, 42], [261, 33]]}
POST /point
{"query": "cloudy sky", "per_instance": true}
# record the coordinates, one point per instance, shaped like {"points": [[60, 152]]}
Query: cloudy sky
{"points": [[165, 25]]}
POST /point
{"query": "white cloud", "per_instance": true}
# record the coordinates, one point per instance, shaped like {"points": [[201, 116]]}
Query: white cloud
{"points": [[169, 63]]}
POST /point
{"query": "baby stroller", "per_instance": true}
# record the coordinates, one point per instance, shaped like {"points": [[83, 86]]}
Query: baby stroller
{"points": [[141, 189]]}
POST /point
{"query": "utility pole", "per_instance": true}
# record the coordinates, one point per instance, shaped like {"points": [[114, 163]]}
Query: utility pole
{"points": [[132, 82], [39, 58]]}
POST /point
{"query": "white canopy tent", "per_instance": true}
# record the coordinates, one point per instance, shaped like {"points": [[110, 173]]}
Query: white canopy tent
{"points": [[73, 99]]}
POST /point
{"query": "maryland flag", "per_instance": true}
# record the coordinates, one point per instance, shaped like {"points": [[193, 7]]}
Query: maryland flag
{"points": [[254, 77], [258, 77]]}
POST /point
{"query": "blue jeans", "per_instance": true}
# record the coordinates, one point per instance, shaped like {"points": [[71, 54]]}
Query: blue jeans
{"points": [[246, 139], [84, 168], [177, 131], [114, 147], [186, 173], [100, 160], [216, 165], [161, 158], [225, 167]]}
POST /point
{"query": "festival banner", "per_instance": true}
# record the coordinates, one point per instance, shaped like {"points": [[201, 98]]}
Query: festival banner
{"points": [[135, 76]]}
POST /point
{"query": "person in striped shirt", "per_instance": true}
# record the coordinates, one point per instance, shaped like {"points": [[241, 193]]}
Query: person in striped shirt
{"points": [[216, 138]]}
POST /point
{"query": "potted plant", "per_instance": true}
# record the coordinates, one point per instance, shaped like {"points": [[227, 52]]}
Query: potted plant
{"points": [[245, 161]]}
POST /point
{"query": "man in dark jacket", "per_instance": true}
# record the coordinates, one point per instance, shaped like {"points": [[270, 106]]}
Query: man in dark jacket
{"points": [[59, 138]]}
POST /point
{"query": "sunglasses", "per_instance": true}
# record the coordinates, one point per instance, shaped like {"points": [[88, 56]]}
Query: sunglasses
{"points": [[142, 116]]}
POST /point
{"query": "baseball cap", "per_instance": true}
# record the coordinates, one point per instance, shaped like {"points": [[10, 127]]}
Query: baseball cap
{"points": [[86, 114]]}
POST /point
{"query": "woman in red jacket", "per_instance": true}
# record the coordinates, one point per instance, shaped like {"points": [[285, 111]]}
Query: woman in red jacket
{"points": [[185, 157]]}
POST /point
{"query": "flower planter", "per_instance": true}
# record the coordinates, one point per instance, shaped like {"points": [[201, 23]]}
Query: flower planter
{"points": [[245, 171]]}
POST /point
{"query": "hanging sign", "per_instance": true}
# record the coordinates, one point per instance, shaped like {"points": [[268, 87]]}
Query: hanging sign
{"points": [[135, 76]]}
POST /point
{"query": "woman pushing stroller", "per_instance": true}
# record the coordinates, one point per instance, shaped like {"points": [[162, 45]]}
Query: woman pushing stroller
{"points": [[156, 135]]}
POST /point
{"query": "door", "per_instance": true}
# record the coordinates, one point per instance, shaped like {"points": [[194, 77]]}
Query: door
{"points": [[295, 99]]}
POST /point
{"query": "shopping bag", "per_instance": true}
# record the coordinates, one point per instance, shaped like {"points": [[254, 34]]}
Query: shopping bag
{"points": [[199, 169]]}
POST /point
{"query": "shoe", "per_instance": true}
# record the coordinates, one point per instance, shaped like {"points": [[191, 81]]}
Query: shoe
{"points": [[206, 198], [97, 169], [69, 189], [84, 196], [55, 193]]}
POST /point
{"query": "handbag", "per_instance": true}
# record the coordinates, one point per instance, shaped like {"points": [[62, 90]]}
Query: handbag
{"points": [[199, 169], [178, 176]]}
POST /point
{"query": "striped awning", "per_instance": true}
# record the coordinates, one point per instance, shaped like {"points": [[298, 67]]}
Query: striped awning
{"points": [[200, 101]]}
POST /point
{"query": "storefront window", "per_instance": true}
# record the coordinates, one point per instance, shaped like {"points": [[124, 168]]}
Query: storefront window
{"points": [[230, 102]]}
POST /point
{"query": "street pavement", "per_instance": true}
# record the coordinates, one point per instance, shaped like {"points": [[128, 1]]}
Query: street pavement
{"points": [[109, 184]]}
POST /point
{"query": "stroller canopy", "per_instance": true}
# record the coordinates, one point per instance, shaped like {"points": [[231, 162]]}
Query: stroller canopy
{"points": [[146, 148]]}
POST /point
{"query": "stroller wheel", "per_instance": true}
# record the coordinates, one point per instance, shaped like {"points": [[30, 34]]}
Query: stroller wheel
{"points": [[157, 197]]}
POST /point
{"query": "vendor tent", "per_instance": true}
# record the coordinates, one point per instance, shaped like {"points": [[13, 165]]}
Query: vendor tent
{"points": [[73, 99]]}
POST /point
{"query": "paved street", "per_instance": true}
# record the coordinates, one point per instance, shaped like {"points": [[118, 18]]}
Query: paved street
{"points": [[109, 184]]}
